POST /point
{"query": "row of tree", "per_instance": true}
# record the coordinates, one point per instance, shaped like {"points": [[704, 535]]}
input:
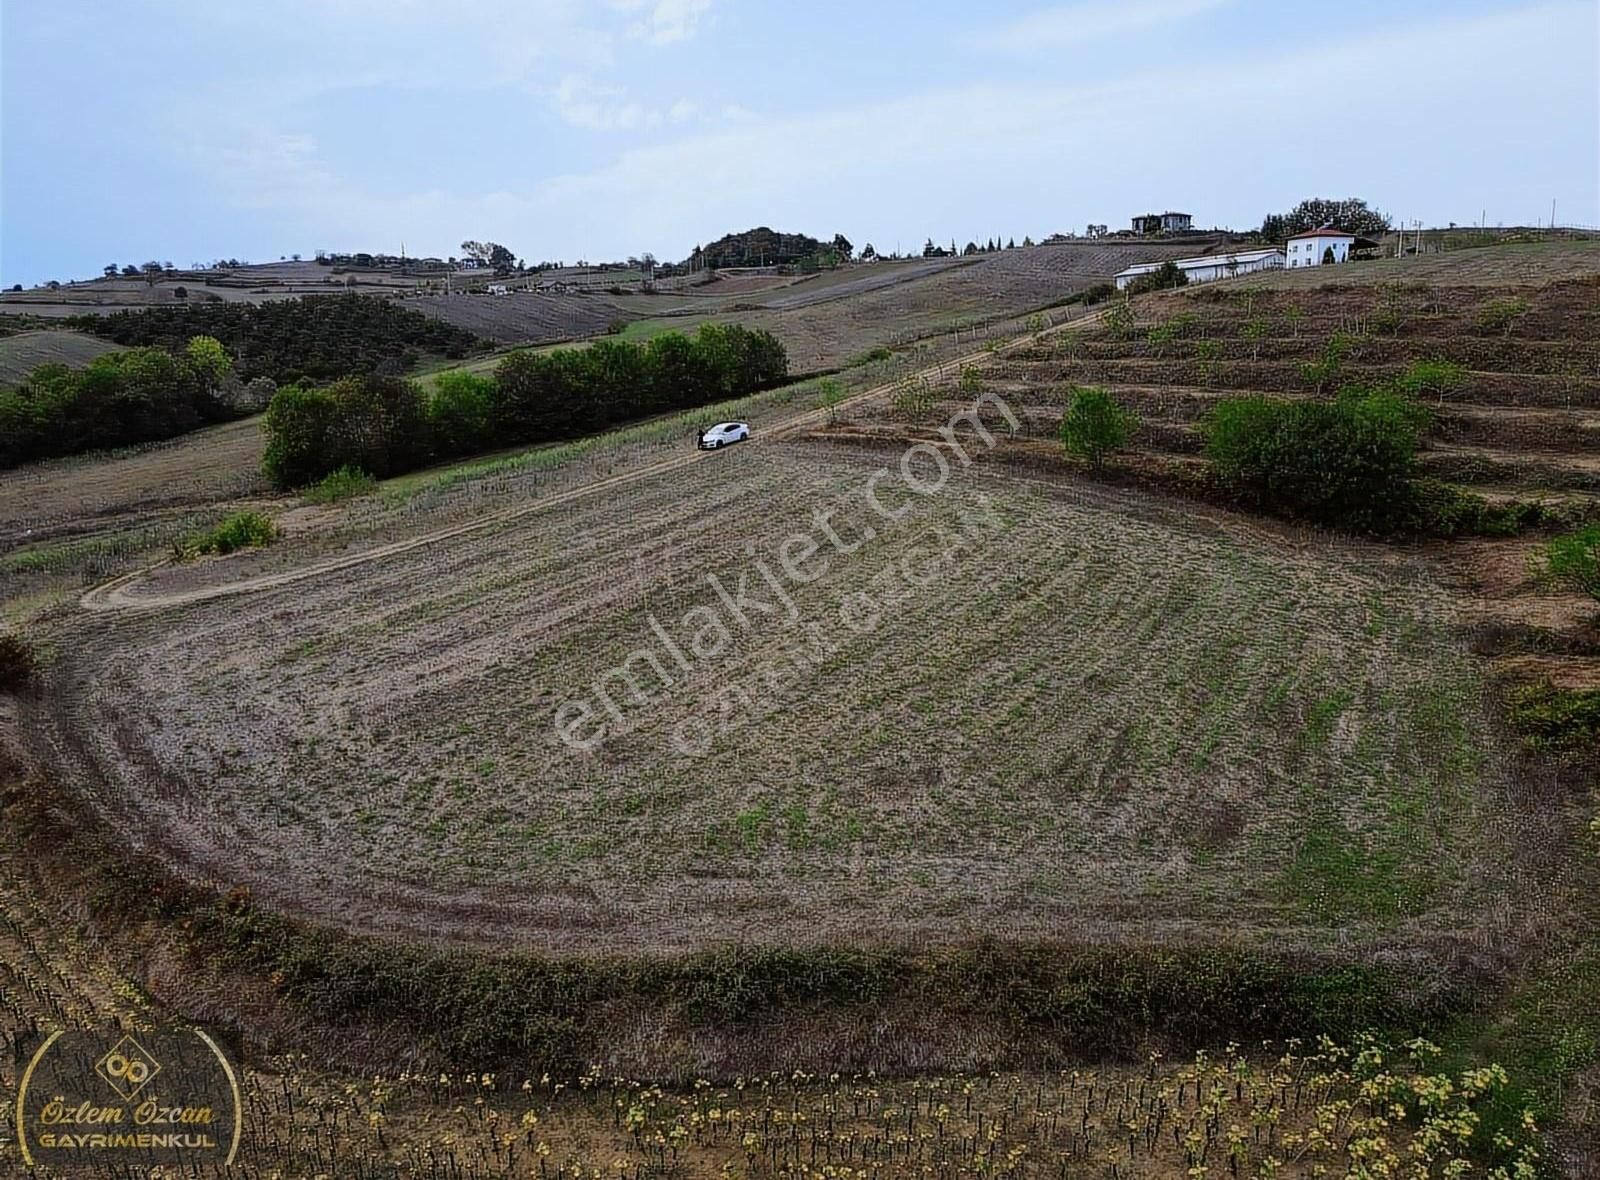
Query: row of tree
{"points": [[385, 425], [316, 337], [117, 400], [1350, 214]]}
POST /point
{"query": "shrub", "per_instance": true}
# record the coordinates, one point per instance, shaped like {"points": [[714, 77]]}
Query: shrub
{"points": [[1095, 425], [1322, 373], [914, 397], [829, 394], [343, 484], [18, 663], [1499, 316], [1165, 277], [1118, 319], [1551, 718], [1430, 378], [1575, 560], [1348, 462], [1444, 510], [242, 530]]}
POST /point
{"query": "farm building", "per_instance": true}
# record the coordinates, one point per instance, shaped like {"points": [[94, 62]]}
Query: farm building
{"points": [[1320, 247], [1163, 223], [1211, 266]]}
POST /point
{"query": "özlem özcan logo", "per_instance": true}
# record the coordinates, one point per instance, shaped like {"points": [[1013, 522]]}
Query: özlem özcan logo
{"points": [[98, 1099]]}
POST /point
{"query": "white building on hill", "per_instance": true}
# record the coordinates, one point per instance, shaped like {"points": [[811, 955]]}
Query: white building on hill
{"points": [[1320, 247], [1210, 266]]}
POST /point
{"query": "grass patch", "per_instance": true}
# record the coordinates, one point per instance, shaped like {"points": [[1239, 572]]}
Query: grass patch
{"points": [[1556, 719], [343, 484], [242, 530]]}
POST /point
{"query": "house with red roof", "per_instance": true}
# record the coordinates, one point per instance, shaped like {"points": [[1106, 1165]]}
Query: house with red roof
{"points": [[1323, 247]]}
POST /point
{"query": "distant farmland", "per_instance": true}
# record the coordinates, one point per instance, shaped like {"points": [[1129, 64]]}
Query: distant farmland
{"points": [[25, 351]]}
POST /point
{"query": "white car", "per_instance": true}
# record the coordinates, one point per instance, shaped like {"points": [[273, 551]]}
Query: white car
{"points": [[724, 434]]}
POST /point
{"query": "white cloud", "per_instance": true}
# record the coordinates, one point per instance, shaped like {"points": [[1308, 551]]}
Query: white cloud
{"points": [[1090, 20], [668, 21], [1030, 157], [595, 106]]}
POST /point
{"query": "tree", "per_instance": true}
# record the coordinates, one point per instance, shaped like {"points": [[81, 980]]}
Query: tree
{"points": [[842, 246], [1027, 241], [491, 254], [1352, 215], [110, 270], [868, 252], [1166, 277], [461, 413], [829, 394], [209, 359], [130, 271], [1095, 425]]}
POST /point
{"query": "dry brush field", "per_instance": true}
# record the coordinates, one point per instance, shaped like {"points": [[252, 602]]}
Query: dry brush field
{"points": [[1102, 718]]}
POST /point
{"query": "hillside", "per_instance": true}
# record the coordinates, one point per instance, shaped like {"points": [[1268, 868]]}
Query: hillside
{"points": [[22, 352]]}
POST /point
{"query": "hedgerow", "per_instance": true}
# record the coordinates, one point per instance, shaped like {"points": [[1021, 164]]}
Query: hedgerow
{"points": [[388, 425], [117, 400]]}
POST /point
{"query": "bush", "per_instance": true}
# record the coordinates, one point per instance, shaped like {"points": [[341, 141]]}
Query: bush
{"points": [[343, 484], [1443, 510], [1095, 425], [1166, 277], [1551, 718], [1322, 373], [18, 663], [1431, 378], [1499, 316], [1575, 560], [242, 530], [1348, 462]]}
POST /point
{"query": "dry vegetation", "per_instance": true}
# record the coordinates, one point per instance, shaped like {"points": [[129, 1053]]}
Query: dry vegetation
{"points": [[1126, 711]]}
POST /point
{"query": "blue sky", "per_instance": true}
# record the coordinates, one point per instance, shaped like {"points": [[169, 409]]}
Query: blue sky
{"points": [[167, 129]]}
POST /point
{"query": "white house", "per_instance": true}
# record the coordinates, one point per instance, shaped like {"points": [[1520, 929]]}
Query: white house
{"points": [[1209, 267], [1317, 246]]}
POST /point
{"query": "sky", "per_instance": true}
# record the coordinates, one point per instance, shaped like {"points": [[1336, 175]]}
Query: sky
{"points": [[598, 129]]}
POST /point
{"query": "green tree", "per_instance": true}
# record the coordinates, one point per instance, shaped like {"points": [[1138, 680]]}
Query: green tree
{"points": [[829, 394], [461, 413], [1095, 425], [210, 360], [1350, 214]]}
